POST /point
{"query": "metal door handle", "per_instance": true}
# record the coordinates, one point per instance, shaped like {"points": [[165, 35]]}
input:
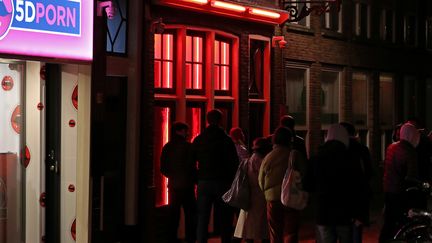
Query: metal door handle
{"points": [[54, 167]]}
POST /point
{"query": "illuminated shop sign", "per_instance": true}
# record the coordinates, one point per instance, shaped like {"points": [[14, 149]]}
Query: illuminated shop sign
{"points": [[47, 28]]}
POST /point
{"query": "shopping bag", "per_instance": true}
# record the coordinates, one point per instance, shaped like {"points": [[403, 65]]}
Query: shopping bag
{"points": [[239, 193], [292, 193]]}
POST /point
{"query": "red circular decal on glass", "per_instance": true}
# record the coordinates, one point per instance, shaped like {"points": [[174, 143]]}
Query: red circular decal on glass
{"points": [[71, 188], [72, 123], [26, 157], [75, 97], [16, 120], [73, 230], [40, 106], [42, 199], [7, 83], [42, 72]]}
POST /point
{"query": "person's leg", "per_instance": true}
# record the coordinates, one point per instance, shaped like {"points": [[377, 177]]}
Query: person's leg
{"points": [[189, 207], [204, 204], [291, 225], [275, 220], [344, 233], [174, 214], [393, 214], [357, 234], [226, 217], [326, 234]]}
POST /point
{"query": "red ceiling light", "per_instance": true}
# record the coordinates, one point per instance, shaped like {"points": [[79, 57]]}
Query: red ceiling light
{"points": [[231, 9], [202, 2], [228, 6], [264, 13]]}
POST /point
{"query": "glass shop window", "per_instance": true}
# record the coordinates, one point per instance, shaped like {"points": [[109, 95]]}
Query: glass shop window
{"points": [[163, 118], [164, 61], [330, 97], [13, 156], [117, 29]]}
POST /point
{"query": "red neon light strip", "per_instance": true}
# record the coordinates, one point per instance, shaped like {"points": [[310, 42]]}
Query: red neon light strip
{"points": [[197, 79], [167, 80], [228, 6], [202, 2], [196, 122], [264, 13]]}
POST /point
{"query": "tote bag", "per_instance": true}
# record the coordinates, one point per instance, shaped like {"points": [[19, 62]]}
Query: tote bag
{"points": [[239, 194], [292, 194]]}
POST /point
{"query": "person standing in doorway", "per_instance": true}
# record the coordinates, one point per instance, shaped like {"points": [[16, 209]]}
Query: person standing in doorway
{"points": [[180, 169], [217, 161]]}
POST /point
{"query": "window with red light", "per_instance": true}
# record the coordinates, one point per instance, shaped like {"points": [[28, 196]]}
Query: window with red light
{"points": [[164, 60], [195, 117], [222, 65], [194, 62], [163, 117]]}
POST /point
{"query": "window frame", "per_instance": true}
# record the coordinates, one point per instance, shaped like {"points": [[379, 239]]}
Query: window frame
{"points": [[358, 20], [405, 29], [202, 35], [171, 90], [219, 92], [383, 25], [327, 20], [306, 68], [339, 83]]}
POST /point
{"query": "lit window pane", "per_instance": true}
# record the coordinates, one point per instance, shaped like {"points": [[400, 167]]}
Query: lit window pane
{"points": [[217, 53], [198, 49], [157, 46], [386, 100], [188, 76], [161, 129], [188, 48], [197, 76], [168, 47], [225, 78], [217, 77], [225, 53], [157, 74], [167, 75]]}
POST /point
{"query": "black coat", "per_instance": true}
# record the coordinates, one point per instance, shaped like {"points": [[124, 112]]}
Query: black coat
{"points": [[334, 179], [177, 164], [216, 155]]}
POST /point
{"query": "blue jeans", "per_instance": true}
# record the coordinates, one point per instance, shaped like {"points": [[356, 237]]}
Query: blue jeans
{"points": [[210, 193], [333, 233]]}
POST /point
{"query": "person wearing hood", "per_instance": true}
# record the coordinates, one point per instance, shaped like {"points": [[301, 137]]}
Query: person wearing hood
{"points": [[180, 170], [400, 164], [217, 160], [334, 184]]}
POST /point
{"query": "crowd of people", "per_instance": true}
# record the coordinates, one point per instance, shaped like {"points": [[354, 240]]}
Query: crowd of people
{"points": [[338, 175]]}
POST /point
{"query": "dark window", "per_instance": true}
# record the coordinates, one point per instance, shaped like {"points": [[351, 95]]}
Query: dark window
{"points": [[117, 29], [256, 84], [410, 30], [429, 33], [387, 28]]}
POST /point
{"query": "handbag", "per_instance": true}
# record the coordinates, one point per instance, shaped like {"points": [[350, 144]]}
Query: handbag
{"points": [[292, 193], [239, 194]]}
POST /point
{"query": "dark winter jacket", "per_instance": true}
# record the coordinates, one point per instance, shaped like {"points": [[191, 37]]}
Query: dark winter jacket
{"points": [[335, 184], [361, 158], [216, 155], [400, 163], [177, 164]]}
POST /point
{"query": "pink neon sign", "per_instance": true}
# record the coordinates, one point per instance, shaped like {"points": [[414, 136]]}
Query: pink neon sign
{"points": [[60, 29]]}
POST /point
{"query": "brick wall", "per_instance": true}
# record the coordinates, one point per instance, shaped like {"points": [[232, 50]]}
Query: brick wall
{"points": [[317, 47]]}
